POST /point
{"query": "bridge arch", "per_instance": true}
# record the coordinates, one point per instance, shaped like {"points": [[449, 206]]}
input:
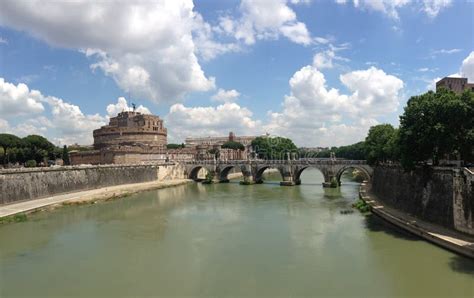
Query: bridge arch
{"points": [[194, 171], [224, 172], [300, 171], [362, 169], [261, 170]]}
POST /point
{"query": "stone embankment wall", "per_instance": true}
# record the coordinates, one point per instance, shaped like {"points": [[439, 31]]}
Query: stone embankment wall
{"points": [[443, 196], [27, 184]]}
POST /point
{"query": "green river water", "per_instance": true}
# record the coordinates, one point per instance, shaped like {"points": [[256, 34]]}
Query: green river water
{"points": [[225, 240]]}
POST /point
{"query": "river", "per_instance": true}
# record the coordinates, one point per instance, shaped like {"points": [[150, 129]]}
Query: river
{"points": [[225, 240]]}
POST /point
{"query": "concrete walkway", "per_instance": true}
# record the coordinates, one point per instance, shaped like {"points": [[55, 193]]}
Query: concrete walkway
{"points": [[449, 239], [87, 195]]}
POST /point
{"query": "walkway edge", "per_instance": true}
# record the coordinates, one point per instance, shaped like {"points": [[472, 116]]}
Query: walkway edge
{"points": [[437, 236], [104, 193]]}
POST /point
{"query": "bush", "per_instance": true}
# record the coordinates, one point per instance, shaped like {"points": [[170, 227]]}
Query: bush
{"points": [[30, 163]]}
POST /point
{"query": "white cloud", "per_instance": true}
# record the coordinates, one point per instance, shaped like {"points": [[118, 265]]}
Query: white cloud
{"points": [[325, 58], [388, 7], [18, 100], [121, 105], [467, 67], [391, 7], [3, 40], [185, 121], [297, 33], [226, 95], [315, 114], [423, 69], [433, 7], [263, 19], [445, 51], [147, 47], [49, 116]]}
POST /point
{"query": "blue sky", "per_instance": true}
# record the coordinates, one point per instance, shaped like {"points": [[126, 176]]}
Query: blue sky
{"points": [[319, 72]]}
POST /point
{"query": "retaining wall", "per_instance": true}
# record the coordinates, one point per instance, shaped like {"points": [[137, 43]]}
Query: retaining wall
{"points": [[443, 196], [27, 184]]}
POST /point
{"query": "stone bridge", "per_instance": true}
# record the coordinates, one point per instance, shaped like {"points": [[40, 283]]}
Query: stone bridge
{"points": [[290, 170]]}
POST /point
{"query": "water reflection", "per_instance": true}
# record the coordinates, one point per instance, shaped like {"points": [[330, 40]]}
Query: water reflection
{"points": [[225, 240]]}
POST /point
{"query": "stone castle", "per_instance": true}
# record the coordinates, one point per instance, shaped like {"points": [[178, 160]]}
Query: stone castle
{"points": [[135, 138], [131, 128]]}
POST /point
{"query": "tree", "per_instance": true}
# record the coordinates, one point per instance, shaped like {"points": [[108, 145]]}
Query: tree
{"points": [[233, 145], [273, 147], [8, 141], [435, 125], [65, 156], [379, 143], [39, 148], [174, 146]]}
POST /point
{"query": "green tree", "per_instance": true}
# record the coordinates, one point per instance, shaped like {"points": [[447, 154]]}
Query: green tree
{"points": [[65, 156], [39, 148], [273, 147], [434, 125], [7, 142], [233, 145], [379, 143], [174, 146]]}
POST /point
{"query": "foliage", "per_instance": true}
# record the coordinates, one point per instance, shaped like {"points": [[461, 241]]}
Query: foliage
{"points": [[65, 156], [362, 206], [434, 125], [32, 147], [174, 146], [355, 151], [233, 145], [30, 163], [381, 143], [209, 178], [20, 217], [273, 147], [8, 141]]}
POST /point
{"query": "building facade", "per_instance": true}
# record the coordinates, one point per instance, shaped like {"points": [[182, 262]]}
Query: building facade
{"points": [[129, 129], [457, 85]]}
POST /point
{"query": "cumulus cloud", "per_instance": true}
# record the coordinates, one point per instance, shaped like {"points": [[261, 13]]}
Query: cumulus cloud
{"points": [[433, 7], [262, 19], [185, 121], [60, 121], [18, 100], [313, 113], [226, 95], [121, 105], [147, 47], [467, 67]]}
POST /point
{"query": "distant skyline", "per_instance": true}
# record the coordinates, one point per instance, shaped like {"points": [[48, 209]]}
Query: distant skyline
{"points": [[318, 72]]}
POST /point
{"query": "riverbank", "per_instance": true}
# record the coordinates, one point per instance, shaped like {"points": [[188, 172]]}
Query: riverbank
{"points": [[88, 196], [448, 239]]}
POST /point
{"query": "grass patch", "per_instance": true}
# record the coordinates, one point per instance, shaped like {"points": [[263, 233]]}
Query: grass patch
{"points": [[361, 206], [20, 217]]}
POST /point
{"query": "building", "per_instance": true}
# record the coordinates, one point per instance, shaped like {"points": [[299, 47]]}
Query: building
{"points": [[129, 129], [205, 144], [219, 141], [457, 85], [130, 138]]}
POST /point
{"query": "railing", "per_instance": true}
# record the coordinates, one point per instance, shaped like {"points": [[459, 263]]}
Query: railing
{"points": [[306, 161]]}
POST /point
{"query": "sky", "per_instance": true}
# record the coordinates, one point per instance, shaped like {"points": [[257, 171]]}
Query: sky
{"points": [[320, 72]]}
